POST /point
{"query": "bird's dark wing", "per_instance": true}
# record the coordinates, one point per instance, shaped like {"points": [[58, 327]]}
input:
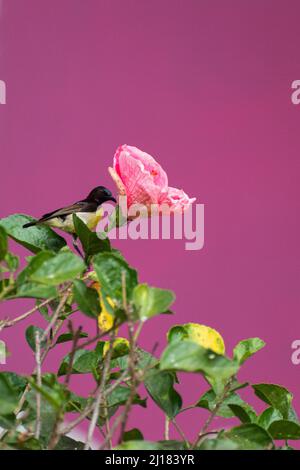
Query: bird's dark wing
{"points": [[80, 206]]}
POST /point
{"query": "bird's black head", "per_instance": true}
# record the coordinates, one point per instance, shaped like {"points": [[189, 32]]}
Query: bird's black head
{"points": [[100, 195]]}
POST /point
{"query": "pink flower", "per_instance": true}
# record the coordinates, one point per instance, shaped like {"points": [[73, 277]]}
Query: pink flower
{"points": [[139, 177]]}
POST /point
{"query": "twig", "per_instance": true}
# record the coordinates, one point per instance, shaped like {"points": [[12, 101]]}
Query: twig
{"points": [[65, 429], [72, 424], [52, 341], [39, 384], [43, 357], [124, 293], [208, 433], [121, 417], [76, 337], [94, 419], [123, 377], [7, 289], [187, 408], [180, 432], [138, 331], [55, 435], [8, 323], [167, 429], [213, 413], [113, 428], [56, 314], [107, 424], [131, 361], [97, 337], [99, 395]]}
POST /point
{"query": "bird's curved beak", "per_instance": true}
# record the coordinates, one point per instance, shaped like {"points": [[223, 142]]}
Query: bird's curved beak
{"points": [[112, 199]]}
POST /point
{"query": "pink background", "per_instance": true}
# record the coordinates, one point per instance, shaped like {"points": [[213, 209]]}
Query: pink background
{"points": [[204, 86]]}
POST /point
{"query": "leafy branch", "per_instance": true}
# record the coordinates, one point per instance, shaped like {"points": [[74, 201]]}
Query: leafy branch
{"points": [[104, 291]]}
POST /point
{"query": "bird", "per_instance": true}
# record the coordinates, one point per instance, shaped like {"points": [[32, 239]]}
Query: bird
{"points": [[88, 210]]}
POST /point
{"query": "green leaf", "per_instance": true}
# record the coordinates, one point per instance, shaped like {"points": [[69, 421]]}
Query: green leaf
{"points": [[133, 435], [7, 288], [150, 301], [65, 337], [37, 238], [63, 267], [246, 348], [284, 429], [240, 413], [292, 415], [249, 437], [8, 421], [51, 390], [172, 445], [148, 445], [84, 362], [120, 347], [26, 288], [76, 403], [120, 395], [30, 336], [91, 243], [20, 442], [44, 310], [190, 357], [219, 443], [87, 299], [8, 396], [140, 445], [48, 415], [34, 263], [12, 262], [268, 416], [109, 268], [236, 385], [276, 396], [67, 443], [34, 290], [144, 360], [177, 333], [17, 382], [116, 219], [3, 243], [209, 400], [285, 447], [160, 386]]}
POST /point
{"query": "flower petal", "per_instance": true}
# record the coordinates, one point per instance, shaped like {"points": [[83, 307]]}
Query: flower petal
{"points": [[119, 183], [177, 200], [144, 179]]}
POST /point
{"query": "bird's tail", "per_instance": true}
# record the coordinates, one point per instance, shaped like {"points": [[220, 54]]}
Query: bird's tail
{"points": [[30, 224]]}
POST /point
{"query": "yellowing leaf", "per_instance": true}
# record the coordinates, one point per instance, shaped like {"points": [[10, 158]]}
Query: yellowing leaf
{"points": [[105, 319], [120, 347], [203, 335]]}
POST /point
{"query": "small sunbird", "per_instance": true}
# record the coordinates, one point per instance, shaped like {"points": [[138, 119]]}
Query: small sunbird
{"points": [[88, 210]]}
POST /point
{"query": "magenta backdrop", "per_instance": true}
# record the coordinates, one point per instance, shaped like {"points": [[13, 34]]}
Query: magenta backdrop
{"points": [[204, 86]]}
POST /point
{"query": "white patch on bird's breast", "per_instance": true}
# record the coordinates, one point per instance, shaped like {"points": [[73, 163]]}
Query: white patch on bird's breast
{"points": [[91, 219], [66, 224]]}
